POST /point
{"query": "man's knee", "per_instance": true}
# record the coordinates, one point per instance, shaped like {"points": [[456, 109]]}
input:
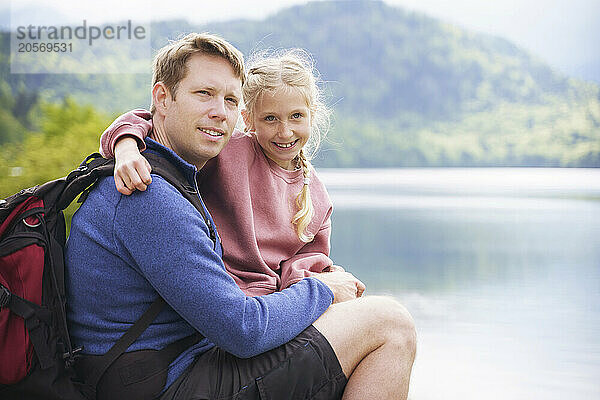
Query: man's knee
{"points": [[359, 327], [393, 321]]}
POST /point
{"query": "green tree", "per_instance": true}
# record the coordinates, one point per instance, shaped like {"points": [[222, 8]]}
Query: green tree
{"points": [[69, 132]]}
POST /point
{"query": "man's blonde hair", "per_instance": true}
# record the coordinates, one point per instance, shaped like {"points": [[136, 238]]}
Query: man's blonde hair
{"points": [[170, 63]]}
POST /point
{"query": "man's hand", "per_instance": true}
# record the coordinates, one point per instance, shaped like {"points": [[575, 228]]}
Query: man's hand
{"points": [[132, 170], [333, 268], [343, 285]]}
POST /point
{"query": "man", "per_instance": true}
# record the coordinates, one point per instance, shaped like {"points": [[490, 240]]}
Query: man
{"points": [[290, 344]]}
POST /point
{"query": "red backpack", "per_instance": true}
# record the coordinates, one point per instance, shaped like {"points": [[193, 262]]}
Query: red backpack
{"points": [[35, 348]]}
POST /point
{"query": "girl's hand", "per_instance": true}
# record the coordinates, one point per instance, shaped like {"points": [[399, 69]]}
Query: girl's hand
{"points": [[132, 170]]}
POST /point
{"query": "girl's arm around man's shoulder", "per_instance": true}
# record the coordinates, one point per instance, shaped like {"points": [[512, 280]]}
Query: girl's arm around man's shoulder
{"points": [[136, 123]]}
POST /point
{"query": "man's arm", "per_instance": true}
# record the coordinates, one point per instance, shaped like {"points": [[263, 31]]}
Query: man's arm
{"points": [[179, 261]]}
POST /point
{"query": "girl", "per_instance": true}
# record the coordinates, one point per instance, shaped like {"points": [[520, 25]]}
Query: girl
{"points": [[271, 210]]}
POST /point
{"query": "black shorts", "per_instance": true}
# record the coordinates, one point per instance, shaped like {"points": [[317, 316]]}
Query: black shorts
{"points": [[304, 368]]}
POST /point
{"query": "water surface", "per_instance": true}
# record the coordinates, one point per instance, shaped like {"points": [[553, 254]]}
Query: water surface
{"points": [[499, 267]]}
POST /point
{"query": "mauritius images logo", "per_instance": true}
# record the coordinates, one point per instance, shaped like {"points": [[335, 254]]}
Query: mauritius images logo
{"points": [[80, 48]]}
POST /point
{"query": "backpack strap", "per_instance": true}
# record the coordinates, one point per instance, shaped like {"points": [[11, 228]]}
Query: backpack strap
{"points": [[33, 315], [82, 179], [104, 362], [93, 368]]}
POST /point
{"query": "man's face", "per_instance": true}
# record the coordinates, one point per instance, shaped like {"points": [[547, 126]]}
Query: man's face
{"points": [[199, 122]]}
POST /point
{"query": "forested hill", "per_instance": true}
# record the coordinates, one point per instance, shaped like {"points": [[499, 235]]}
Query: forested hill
{"points": [[408, 90], [383, 60]]}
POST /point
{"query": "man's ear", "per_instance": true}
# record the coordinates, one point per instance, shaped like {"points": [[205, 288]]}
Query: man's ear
{"points": [[161, 97], [247, 120]]}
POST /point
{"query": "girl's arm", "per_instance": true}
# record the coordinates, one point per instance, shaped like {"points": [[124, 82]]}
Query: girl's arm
{"points": [[124, 140], [136, 123], [132, 170]]}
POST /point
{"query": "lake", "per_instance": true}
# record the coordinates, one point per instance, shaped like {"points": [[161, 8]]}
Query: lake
{"points": [[500, 268]]}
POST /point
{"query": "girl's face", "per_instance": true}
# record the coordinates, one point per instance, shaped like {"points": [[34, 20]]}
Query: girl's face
{"points": [[281, 121]]}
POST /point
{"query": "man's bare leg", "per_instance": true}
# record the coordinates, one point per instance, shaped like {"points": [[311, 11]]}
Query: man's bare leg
{"points": [[375, 341]]}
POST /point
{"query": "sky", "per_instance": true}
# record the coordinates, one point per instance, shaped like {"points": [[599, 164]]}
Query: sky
{"points": [[564, 33]]}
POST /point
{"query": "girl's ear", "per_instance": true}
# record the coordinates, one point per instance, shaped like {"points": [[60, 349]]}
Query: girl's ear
{"points": [[247, 120]]}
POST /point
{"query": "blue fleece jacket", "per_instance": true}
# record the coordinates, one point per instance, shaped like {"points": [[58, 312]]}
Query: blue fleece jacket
{"points": [[124, 251]]}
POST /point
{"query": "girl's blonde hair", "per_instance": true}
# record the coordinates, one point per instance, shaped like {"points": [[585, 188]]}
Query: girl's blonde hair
{"points": [[292, 68]]}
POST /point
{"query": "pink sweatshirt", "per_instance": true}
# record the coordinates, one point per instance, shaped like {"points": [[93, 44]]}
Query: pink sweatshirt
{"points": [[252, 201]]}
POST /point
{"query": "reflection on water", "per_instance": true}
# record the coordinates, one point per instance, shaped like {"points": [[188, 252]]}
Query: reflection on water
{"points": [[499, 267]]}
